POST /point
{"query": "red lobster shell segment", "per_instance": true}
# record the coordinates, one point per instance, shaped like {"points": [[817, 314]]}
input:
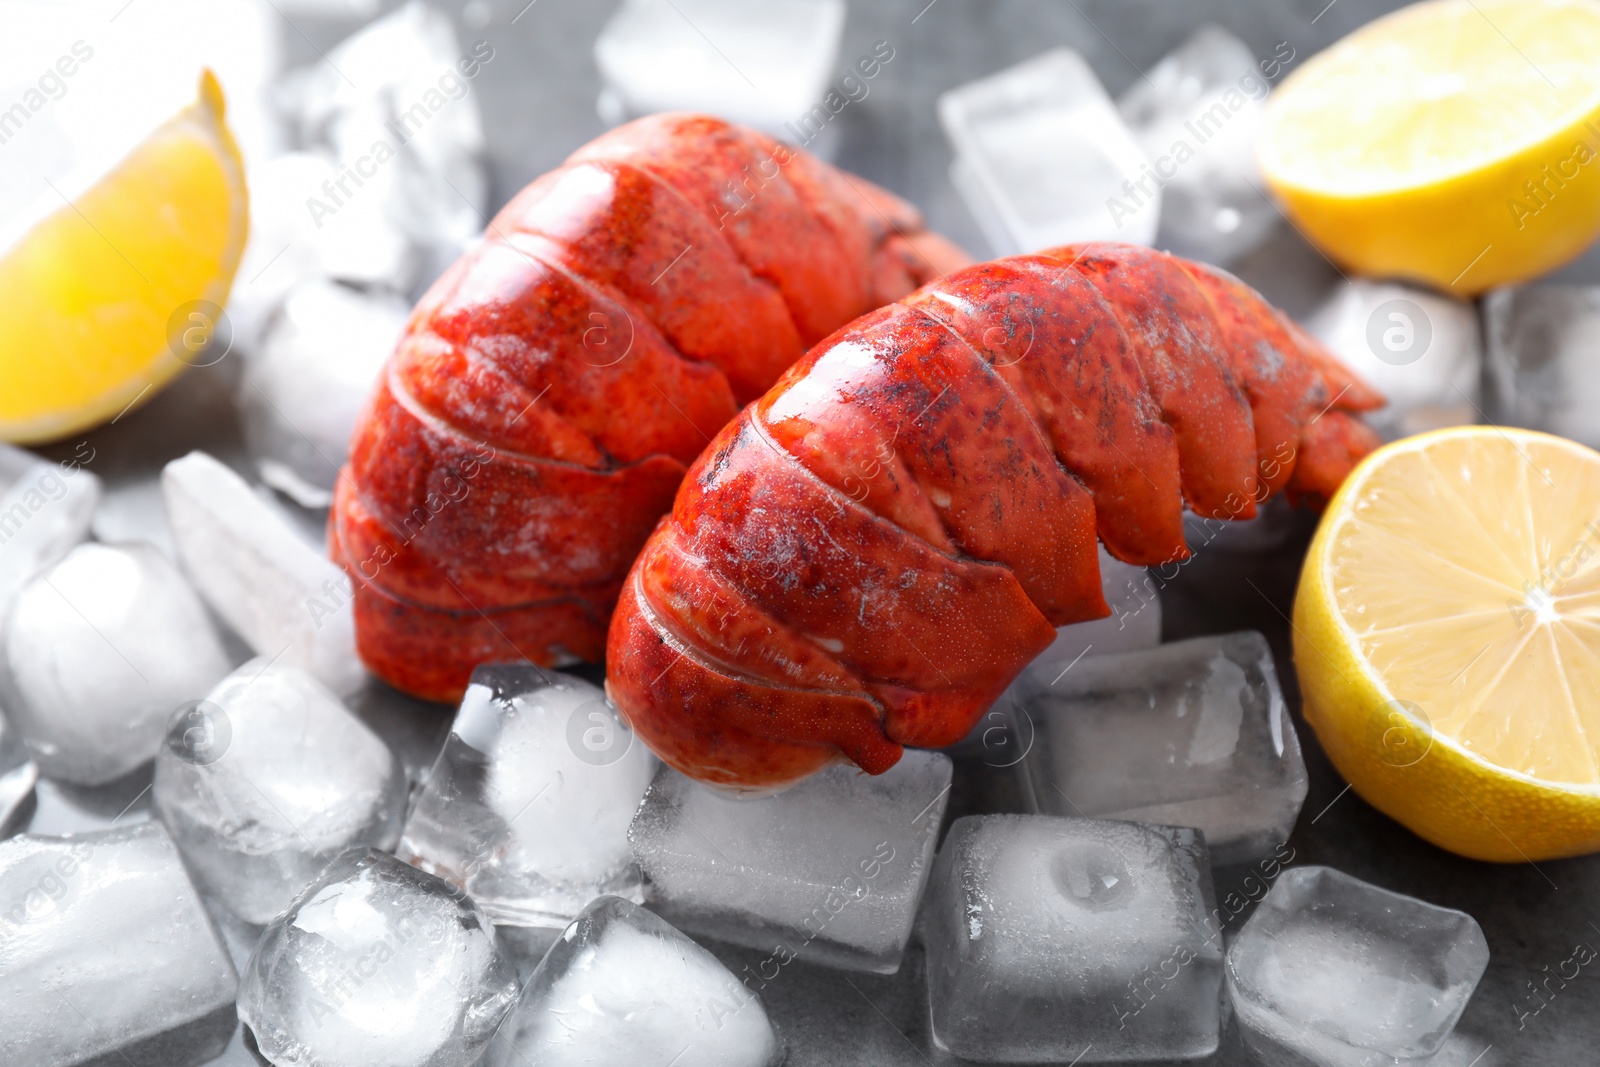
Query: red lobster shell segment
{"points": [[553, 386], [869, 554]]}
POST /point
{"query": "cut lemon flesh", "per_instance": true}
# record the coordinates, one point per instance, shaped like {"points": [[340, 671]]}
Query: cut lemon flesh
{"points": [[100, 290], [1453, 141], [1448, 639]]}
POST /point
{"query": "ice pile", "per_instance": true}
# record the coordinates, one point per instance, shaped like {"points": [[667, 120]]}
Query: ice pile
{"points": [[286, 600], [18, 774], [1193, 733], [830, 870], [376, 962], [45, 509], [621, 986], [1196, 115], [1421, 350], [96, 652], [302, 391], [765, 66], [269, 778], [528, 806], [1334, 972], [387, 187], [1053, 939], [108, 956], [1042, 158], [1543, 367]]}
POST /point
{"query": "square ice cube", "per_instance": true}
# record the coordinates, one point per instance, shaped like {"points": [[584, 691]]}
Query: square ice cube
{"points": [[1193, 733], [1335, 972], [1044, 159], [1543, 368], [1196, 114], [830, 870], [107, 955], [1055, 939], [1423, 351], [765, 66], [528, 806]]}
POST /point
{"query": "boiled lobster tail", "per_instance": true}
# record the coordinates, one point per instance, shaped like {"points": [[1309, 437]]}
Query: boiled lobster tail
{"points": [[553, 386], [868, 555]]}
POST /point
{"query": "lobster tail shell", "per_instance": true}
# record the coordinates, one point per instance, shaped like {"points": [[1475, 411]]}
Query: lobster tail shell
{"points": [[554, 385], [869, 554]]}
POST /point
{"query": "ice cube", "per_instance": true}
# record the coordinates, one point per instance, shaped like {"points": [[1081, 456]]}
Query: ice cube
{"points": [[1335, 972], [527, 808], [1193, 733], [376, 962], [301, 393], [108, 956], [279, 594], [621, 986], [1044, 159], [1196, 114], [45, 509], [1543, 369], [832, 868], [1055, 939], [18, 775], [97, 652], [1421, 350], [405, 84], [266, 780], [766, 67]]}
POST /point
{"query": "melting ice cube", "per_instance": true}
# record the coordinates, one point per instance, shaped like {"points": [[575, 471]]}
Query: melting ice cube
{"points": [[97, 652], [832, 867], [1334, 972], [108, 956], [528, 806], [1054, 939], [266, 780], [621, 986], [1193, 733]]}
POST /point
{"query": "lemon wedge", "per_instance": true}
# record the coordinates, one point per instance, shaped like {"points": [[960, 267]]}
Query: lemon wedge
{"points": [[1455, 142], [114, 292], [1447, 639]]}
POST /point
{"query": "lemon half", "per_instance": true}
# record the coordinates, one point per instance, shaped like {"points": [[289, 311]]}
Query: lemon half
{"points": [[113, 293], [1455, 142], [1447, 639]]}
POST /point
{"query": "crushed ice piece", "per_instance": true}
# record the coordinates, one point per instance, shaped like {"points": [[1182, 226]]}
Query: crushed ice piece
{"points": [[528, 805], [1193, 733], [97, 652], [376, 962], [275, 591], [269, 778], [1334, 972], [18, 775], [831, 869], [621, 986], [1043, 158], [108, 956]]}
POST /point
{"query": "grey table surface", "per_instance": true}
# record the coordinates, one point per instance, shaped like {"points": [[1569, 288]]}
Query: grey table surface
{"points": [[538, 101]]}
